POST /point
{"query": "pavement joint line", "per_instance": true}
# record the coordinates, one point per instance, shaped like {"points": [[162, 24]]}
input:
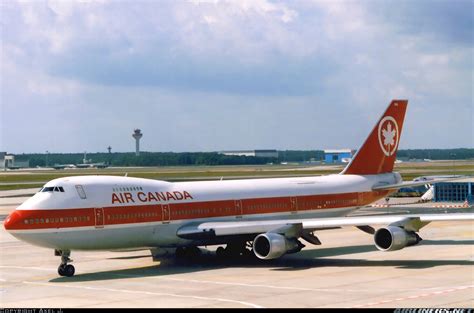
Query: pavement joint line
{"points": [[337, 290], [255, 285], [146, 293], [424, 295], [14, 246], [28, 268]]}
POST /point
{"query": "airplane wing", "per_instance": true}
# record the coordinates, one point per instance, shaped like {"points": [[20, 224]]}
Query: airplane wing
{"points": [[410, 222], [417, 183]]}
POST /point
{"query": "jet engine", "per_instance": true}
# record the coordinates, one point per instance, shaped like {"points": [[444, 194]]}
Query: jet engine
{"points": [[393, 238], [272, 245]]}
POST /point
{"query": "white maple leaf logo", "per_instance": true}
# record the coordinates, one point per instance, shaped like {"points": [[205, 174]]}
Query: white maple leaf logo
{"points": [[389, 135]]}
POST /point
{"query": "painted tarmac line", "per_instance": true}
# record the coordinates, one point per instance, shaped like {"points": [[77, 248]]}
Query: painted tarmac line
{"points": [[337, 290], [252, 305], [243, 284], [334, 290], [29, 268], [412, 297], [13, 245]]}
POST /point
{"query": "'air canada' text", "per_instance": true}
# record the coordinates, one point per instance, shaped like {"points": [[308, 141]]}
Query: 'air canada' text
{"points": [[127, 197]]}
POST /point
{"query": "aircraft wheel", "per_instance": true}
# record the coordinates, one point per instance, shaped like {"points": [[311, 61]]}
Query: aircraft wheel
{"points": [[220, 252], [180, 252], [248, 253], [69, 270], [193, 252], [61, 270]]}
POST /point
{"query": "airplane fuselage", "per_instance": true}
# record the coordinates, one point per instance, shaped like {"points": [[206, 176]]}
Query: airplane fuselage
{"points": [[110, 212]]}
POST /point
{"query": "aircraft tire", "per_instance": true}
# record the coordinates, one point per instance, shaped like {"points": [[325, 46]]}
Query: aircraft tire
{"points": [[220, 252], [61, 270], [180, 252], [69, 270]]}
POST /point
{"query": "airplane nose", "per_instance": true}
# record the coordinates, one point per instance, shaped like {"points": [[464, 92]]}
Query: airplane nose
{"points": [[12, 220]]}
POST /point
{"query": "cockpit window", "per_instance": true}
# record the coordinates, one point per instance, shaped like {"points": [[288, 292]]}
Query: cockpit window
{"points": [[49, 189]]}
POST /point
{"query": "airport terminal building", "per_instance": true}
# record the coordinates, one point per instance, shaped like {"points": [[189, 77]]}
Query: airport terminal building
{"points": [[338, 156], [459, 191]]}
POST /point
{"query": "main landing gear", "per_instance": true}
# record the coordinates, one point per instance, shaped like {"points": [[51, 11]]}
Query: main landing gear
{"points": [[235, 249], [187, 252], [64, 268]]}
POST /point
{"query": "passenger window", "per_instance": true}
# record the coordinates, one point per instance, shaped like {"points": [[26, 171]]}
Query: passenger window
{"points": [[81, 192]]}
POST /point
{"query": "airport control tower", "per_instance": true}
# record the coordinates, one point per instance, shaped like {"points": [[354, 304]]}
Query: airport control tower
{"points": [[137, 134]]}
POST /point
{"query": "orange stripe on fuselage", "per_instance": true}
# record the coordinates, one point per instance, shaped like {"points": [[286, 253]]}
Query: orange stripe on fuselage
{"points": [[117, 215]]}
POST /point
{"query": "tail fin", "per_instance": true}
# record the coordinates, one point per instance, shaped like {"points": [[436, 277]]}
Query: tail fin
{"points": [[379, 151]]}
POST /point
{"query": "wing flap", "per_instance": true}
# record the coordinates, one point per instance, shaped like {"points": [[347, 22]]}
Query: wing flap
{"points": [[235, 228]]}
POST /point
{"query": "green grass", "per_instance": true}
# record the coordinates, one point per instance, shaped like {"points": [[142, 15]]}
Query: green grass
{"points": [[21, 186], [36, 178], [17, 178]]}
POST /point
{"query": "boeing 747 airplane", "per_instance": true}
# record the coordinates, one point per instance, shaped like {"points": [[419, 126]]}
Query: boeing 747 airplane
{"points": [[269, 216]]}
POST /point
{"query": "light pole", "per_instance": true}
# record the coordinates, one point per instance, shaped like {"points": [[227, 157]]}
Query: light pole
{"points": [[453, 155], [47, 155]]}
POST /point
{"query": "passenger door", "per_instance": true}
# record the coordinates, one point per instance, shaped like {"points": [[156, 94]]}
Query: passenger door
{"points": [[99, 217], [238, 208], [294, 205], [165, 213]]}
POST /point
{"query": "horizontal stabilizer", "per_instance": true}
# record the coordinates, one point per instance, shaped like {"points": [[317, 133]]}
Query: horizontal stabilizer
{"points": [[417, 183]]}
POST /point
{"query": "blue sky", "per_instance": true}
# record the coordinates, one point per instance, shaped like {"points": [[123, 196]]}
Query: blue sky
{"points": [[220, 75]]}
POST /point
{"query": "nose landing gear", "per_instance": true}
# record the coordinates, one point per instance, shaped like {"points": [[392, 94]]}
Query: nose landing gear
{"points": [[64, 268]]}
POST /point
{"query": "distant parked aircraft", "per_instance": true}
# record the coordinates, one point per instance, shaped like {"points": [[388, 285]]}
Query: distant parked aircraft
{"points": [[63, 166], [80, 165]]}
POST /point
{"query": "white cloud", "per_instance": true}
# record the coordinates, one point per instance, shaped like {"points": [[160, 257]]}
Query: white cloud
{"points": [[434, 59], [320, 57]]}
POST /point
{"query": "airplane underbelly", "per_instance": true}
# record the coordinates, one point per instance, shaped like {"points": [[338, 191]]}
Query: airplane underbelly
{"points": [[143, 235], [108, 238]]}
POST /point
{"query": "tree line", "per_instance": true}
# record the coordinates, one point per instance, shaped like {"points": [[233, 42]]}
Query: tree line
{"points": [[214, 158]]}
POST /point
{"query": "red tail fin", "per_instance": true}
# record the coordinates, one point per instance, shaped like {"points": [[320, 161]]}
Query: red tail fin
{"points": [[379, 151]]}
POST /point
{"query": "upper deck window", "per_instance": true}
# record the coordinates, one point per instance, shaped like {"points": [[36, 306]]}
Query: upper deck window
{"points": [[81, 192]]}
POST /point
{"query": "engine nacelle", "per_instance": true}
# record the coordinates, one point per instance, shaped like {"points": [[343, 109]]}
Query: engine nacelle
{"points": [[271, 246], [393, 238]]}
